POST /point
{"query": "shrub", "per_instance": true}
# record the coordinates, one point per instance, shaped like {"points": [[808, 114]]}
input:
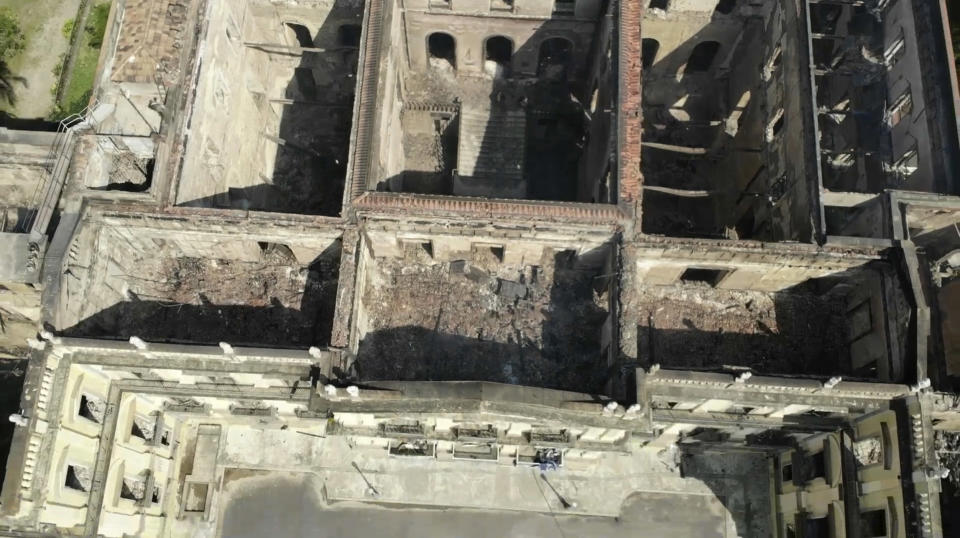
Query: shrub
{"points": [[11, 38], [67, 29], [97, 24]]}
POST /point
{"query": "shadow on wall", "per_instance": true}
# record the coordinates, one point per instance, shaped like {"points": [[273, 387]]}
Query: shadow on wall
{"points": [[311, 165], [739, 480], [11, 385], [551, 109], [275, 325], [525, 138], [719, 166], [565, 354], [309, 170], [823, 327]]}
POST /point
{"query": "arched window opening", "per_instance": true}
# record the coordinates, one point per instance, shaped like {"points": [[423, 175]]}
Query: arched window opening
{"points": [[725, 7], [304, 38], [348, 35], [555, 56], [498, 52], [648, 52], [442, 48], [499, 49], [701, 59]]}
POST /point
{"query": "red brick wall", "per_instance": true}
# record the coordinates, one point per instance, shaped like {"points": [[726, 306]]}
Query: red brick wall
{"points": [[630, 112]]}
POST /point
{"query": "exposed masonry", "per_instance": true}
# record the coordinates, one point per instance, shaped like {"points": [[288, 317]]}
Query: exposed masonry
{"points": [[707, 241]]}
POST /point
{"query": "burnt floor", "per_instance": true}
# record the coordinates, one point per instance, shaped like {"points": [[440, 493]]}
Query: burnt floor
{"points": [[482, 320], [695, 326], [275, 301]]}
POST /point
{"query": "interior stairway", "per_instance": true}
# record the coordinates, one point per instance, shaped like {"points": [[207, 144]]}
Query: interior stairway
{"points": [[491, 153]]}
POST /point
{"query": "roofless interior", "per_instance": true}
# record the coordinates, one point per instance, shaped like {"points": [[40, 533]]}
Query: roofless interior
{"points": [[502, 108], [272, 114]]}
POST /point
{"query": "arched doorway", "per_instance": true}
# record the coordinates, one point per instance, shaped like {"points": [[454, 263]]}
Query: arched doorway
{"points": [[441, 48], [555, 56], [702, 56], [498, 54]]}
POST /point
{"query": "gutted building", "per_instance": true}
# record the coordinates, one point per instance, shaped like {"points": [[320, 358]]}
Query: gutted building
{"points": [[574, 264]]}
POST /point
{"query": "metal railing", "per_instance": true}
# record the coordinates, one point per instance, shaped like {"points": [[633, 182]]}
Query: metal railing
{"points": [[47, 194]]}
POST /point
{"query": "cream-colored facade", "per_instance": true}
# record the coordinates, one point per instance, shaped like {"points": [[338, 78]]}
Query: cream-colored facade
{"points": [[651, 268]]}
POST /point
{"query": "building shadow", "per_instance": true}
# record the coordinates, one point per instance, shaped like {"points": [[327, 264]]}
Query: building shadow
{"points": [[714, 164], [567, 354], [12, 374], [515, 124], [274, 325], [742, 489], [555, 120], [309, 170], [313, 136], [854, 325]]}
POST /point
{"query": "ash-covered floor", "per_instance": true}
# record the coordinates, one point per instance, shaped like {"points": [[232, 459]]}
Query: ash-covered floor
{"points": [[695, 326], [482, 320], [275, 301]]}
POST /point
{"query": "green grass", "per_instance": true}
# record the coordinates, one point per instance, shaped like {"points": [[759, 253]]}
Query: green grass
{"points": [[80, 86], [97, 24]]}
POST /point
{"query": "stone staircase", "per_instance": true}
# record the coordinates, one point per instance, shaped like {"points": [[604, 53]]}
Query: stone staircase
{"points": [[491, 153]]}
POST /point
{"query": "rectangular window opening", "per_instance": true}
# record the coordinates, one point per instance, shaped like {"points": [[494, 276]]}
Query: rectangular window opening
{"points": [[91, 408], [818, 466], [907, 164], [78, 478], [564, 7], [712, 277], [873, 523], [895, 51], [901, 108], [786, 473], [143, 428], [132, 489]]}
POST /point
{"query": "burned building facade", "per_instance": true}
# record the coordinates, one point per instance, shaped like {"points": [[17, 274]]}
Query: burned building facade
{"points": [[585, 261]]}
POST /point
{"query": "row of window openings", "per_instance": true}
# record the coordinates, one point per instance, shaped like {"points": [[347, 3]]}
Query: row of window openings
{"points": [[499, 49], [901, 108], [818, 467], [873, 524], [700, 60], [905, 166], [79, 478], [93, 409], [724, 7], [560, 7]]}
